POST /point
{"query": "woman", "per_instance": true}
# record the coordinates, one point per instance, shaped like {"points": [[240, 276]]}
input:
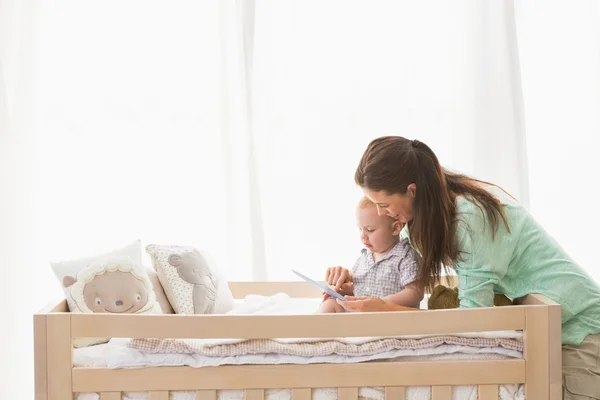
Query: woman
{"points": [[492, 243]]}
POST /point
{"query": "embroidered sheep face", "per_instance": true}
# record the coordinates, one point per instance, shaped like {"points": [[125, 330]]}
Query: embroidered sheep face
{"points": [[115, 292], [114, 287]]}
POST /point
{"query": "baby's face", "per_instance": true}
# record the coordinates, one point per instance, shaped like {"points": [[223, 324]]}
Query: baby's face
{"points": [[378, 233]]}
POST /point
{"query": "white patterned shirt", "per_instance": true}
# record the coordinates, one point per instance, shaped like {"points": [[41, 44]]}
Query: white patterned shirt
{"points": [[387, 276]]}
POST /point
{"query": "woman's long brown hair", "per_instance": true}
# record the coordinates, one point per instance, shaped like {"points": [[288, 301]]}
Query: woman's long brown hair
{"points": [[391, 163]]}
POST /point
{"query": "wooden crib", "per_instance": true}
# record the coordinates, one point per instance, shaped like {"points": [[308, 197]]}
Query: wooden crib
{"points": [[538, 317]]}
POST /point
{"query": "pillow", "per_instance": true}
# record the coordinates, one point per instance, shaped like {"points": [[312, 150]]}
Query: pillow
{"points": [[191, 284], [161, 297], [71, 267], [121, 268], [116, 286]]}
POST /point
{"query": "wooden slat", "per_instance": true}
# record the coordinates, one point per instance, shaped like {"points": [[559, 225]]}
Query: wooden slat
{"points": [[441, 393], [543, 352], [301, 394], [159, 395], [417, 373], [293, 288], [422, 322], [536, 344], [110, 396], [40, 355], [488, 392], [60, 307], [55, 306], [348, 393], [555, 352], [395, 393], [535, 299], [59, 356], [206, 395], [254, 394]]}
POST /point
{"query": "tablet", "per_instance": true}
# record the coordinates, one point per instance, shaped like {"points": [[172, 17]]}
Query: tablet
{"points": [[324, 287]]}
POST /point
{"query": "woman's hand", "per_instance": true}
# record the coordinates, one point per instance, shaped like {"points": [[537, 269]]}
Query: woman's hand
{"points": [[363, 304], [337, 276], [370, 304]]}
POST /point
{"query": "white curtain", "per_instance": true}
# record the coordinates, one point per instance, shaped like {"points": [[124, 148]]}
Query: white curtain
{"points": [[235, 126], [329, 76], [142, 133], [18, 292], [244, 239], [559, 44]]}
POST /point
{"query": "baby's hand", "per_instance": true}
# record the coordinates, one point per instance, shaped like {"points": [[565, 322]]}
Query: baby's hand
{"points": [[347, 289], [327, 295], [337, 276]]}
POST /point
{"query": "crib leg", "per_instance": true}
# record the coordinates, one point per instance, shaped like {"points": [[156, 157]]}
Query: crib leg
{"points": [[543, 353], [59, 356], [40, 355]]}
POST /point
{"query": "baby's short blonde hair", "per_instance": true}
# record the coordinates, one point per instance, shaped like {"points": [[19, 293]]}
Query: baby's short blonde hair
{"points": [[365, 202]]}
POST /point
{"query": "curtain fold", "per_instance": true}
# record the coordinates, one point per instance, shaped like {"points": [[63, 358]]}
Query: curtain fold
{"points": [[492, 81], [246, 231], [19, 289], [559, 46]]}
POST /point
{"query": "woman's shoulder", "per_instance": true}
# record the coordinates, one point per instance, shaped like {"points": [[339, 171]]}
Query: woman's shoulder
{"points": [[469, 208], [472, 219]]}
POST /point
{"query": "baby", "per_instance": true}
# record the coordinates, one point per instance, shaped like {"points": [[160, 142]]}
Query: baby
{"points": [[387, 267]]}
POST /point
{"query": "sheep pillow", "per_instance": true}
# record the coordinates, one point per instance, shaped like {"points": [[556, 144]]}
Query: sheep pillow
{"points": [[191, 284], [132, 250], [115, 286]]}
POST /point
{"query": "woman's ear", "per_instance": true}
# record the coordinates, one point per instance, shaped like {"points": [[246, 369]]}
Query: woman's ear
{"points": [[412, 189]]}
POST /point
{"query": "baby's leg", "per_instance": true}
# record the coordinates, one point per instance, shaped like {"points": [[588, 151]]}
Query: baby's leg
{"points": [[330, 306]]}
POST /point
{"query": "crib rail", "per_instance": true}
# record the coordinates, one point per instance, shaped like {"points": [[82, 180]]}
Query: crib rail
{"points": [[486, 392], [240, 377], [538, 317], [306, 326]]}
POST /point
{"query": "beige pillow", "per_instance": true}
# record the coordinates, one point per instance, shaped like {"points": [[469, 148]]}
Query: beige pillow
{"points": [[115, 286], [161, 297], [190, 282]]}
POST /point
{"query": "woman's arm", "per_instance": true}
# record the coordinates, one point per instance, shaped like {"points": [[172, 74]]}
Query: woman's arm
{"points": [[480, 265], [372, 304]]}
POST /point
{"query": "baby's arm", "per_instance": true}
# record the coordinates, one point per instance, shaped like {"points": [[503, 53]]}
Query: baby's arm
{"points": [[410, 296], [413, 291]]}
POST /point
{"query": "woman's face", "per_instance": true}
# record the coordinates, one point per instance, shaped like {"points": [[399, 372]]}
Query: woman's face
{"points": [[397, 206]]}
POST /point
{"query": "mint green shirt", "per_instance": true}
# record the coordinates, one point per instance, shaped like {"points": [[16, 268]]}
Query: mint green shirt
{"points": [[526, 260]]}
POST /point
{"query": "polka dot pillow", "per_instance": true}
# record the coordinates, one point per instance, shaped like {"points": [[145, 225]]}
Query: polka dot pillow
{"points": [[191, 284]]}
